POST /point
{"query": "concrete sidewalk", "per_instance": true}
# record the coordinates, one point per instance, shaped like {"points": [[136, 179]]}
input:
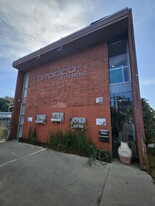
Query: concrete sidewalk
{"points": [[31, 175], [128, 185]]}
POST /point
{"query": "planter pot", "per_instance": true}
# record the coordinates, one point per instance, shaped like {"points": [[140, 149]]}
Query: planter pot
{"points": [[125, 153]]}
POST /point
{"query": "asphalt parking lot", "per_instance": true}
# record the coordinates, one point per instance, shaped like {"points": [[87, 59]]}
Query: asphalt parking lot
{"points": [[32, 175]]}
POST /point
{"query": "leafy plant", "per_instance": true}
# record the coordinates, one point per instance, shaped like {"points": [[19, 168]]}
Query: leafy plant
{"points": [[2, 133], [149, 121], [32, 135], [73, 142], [121, 115], [6, 104]]}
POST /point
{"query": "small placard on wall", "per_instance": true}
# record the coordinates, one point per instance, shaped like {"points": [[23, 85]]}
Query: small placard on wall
{"points": [[99, 100], [100, 121], [30, 119]]}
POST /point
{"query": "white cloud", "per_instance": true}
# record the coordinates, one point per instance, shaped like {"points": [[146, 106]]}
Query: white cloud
{"points": [[26, 26], [147, 82], [30, 25]]}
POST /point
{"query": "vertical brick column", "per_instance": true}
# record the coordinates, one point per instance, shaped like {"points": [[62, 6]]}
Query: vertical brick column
{"points": [[17, 105], [138, 117]]}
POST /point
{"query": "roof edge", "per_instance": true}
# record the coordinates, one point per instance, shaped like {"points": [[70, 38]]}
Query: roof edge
{"points": [[96, 25]]}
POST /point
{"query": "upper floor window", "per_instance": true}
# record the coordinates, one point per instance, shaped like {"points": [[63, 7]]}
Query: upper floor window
{"points": [[119, 68]]}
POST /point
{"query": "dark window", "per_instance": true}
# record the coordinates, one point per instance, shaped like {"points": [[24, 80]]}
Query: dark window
{"points": [[118, 63]]}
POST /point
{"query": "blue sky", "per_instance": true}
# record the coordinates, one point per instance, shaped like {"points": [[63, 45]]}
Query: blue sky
{"points": [[26, 26]]}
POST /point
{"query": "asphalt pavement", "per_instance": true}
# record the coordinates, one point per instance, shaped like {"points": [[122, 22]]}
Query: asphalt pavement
{"points": [[36, 176]]}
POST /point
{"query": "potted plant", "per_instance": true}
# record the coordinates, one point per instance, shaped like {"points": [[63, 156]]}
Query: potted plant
{"points": [[124, 151]]}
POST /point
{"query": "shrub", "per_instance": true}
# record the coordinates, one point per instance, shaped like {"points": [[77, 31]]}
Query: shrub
{"points": [[2, 133], [73, 142], [32, 136]]}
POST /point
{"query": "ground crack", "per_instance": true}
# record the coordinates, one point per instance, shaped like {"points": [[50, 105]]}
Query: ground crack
{"points": [[98, 200], [73, 183]]}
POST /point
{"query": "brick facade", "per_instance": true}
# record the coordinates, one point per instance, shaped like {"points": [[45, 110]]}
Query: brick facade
{"points": [[69, 74], [73, 95]]}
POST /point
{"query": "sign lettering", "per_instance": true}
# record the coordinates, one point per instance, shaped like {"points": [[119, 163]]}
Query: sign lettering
{"points": [[62, 74]]}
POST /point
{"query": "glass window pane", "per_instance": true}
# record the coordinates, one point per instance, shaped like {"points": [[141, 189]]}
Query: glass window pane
{"points": [[122, 96], [23, 108], [20, 132], [22, 120], [116, 76], [126, 74], [119, 69], [24, 92], [118, 61], [26, 80], [117, 48]]}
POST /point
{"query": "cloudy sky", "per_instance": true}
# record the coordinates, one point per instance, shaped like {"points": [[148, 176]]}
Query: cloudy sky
{"points": [[26, 26]]}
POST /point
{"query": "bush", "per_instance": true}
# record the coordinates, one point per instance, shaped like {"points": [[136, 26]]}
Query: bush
{"points": [[2, 133], [72, 142], [149, 121], [32, 136]]}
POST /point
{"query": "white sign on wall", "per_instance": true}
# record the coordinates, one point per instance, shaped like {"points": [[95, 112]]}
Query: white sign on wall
{"points": [[99, 100], [30, 119], [100, 121]]}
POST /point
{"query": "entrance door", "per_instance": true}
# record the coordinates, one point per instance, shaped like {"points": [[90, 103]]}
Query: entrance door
{"points": [[121, 118]]}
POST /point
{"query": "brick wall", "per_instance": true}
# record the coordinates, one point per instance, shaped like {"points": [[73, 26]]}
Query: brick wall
{"points": [[138, 116], [73, 93]]}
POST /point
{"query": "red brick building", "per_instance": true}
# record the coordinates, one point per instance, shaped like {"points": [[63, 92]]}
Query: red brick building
{"points": [[87, 79]]}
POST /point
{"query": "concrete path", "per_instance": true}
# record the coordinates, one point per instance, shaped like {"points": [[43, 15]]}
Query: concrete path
{"points": [[128, 185], [35, 176]]}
